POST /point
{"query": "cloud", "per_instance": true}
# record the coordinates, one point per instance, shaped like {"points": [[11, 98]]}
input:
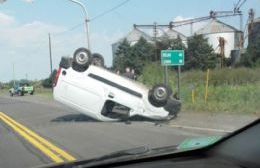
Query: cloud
{"points": [[27, 34], [26, 46], [181, 18], [6, 19], [29, 1]]}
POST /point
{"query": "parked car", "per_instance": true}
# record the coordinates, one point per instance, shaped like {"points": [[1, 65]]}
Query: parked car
{"points": [[107, 96], [21, 89]]}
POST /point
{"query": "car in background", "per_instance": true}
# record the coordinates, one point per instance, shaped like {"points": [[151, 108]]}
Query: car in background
{"points": [[21, 89], [106, 96]]}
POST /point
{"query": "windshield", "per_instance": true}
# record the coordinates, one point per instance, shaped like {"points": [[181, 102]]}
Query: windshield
{"points": [[106, 76]]}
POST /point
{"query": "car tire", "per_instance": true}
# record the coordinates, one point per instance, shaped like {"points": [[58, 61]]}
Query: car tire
{"points": [[98, 60], [173, 106], [32, 93], [66, 62], [20, 93], [159, 95], [11, 94], [81, 59]]}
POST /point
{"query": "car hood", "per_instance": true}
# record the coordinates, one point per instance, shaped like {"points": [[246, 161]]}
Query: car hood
{"points": [[142, 152]]}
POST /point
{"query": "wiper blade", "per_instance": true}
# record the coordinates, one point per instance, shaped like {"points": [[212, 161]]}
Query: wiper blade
{"points": [[128, 152]]}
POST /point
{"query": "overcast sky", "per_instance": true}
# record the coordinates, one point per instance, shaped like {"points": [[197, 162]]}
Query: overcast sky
{"points": [[24, 27]]}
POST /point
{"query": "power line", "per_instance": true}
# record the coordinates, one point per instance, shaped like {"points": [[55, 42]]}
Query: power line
{"points": [[110, 10], [94, 18], [68, 30]]}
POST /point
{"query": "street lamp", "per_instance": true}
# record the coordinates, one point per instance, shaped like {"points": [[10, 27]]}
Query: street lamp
{"points": [[86, 19]]}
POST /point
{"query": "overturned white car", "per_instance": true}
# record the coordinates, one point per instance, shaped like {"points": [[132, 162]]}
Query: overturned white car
{"points": [[83, 84]]}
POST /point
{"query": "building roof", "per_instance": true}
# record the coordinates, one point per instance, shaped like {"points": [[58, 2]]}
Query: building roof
{"points": [[134, 35], [216, 26], [173, 34]]}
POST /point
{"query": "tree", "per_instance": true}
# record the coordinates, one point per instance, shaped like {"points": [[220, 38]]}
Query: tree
{"points": [[199, 55], [47, 83], [141, 53], [122, 56], [174, 44], [133, 56]]}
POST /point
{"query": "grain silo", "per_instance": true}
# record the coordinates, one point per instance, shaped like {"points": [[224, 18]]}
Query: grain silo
{"points": [[173, 34], [254, 31], [216, 31], [132, 37]]}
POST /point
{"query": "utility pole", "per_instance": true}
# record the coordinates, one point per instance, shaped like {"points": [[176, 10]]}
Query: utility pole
{"points": [[155, 39], [191, 29], [13, 75], [83, 7], [50, 52]]}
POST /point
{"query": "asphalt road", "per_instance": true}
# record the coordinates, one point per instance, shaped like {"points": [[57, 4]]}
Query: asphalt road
{"points": [[76, 134]]}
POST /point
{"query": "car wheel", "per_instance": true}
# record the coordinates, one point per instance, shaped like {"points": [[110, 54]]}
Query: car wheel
{"points": [[11, 94], [66, 62], [32, 93], [81, 59], [20, 93], [159, 95], [98, 60], [173, 106]]}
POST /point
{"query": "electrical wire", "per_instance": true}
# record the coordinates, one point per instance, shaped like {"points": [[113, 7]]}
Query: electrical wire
{"points": [[94, 18], [110, 10], [68, 30]]}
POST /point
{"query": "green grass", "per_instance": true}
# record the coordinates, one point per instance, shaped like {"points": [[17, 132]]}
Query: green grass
{"points": [[43, 92], [230, 90]]}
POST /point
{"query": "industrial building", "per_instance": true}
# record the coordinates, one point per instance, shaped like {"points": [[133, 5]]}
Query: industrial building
{"points": [[132, 37], [223, 37], [135, 34]]}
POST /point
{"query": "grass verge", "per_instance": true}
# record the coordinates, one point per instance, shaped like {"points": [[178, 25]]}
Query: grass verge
{"points": [[230, 90]]}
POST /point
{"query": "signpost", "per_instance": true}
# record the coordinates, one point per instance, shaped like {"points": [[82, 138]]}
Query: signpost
{"points": [[172, 58]]}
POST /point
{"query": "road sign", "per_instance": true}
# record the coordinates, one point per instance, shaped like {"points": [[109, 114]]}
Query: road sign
{"points": [[172, 57]]}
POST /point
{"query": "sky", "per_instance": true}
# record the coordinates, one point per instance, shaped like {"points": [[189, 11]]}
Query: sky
{"points": [[25, 24]]}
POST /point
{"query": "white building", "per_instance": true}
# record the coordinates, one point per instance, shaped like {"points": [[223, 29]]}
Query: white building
{"points": [[216, 29], [134, 35]]}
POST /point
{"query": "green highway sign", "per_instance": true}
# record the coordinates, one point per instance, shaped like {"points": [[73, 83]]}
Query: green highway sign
{"points": [[172, 57]]}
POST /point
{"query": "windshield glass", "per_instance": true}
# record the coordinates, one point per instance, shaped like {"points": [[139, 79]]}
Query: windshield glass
{"points": [[82, 79]]}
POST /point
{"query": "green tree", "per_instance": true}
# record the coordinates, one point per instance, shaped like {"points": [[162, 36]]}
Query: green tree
{"points": [[199, 55], [142, 52], [123, 55], [174, 44], [133, 56]]}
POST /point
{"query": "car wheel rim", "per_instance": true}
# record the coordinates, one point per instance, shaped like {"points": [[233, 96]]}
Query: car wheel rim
{"points": [[160, 93], [82, 58]]}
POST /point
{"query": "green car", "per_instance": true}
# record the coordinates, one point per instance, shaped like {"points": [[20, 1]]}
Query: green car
{"points": [[21, 89]]}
